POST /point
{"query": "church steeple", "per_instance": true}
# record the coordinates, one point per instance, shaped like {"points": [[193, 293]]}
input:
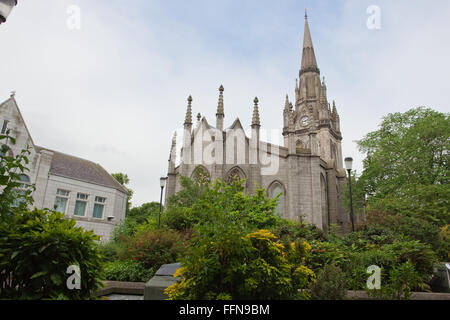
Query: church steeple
{"points": [[310, 84], [309, 62]]}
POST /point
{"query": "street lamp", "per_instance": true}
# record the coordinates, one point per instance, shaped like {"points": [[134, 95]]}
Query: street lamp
{"points": [[348, 166], [162, 183], [5, 9]]}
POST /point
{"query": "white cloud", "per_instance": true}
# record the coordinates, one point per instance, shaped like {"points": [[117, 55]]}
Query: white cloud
{"points": [[115, 91]]}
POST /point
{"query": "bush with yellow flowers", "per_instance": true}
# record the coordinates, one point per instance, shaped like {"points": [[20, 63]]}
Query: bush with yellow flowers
{"points": [[227, 262]]}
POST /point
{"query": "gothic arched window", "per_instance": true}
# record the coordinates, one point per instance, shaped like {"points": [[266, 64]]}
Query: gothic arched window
{"points": [[201, 175], [235, 174], [275, 189]]}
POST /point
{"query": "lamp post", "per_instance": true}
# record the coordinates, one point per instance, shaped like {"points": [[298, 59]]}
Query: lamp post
{"points": [[348, 166], [162, 183], [5, 9]]}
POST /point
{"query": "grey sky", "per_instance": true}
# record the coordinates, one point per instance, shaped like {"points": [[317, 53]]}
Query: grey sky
{"points": [[115, 91]]}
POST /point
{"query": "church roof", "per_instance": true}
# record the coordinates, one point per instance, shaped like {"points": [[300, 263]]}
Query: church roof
{"points": [[68, 166]]}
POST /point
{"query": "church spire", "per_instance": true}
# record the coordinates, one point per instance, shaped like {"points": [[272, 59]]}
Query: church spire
{"points": [[220, 111], [220, 107], [286, 103], [309, 62], [255, 120], [188, 120]]}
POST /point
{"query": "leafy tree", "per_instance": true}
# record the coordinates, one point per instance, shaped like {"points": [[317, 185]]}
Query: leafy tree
{"points": [[196, 204], [406, 176], [410, 148], [137, 217], [123, 179], [144, 212]]}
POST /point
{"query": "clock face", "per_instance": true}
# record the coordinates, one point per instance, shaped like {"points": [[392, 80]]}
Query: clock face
{"points": [[304, 121]]}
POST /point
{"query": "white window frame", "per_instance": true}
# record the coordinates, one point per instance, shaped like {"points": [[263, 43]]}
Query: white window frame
{"points": [[102, 202], [65, 195], [80, 198]]}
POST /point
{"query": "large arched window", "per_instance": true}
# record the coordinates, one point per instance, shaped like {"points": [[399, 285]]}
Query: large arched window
{"points": [[201, 175], [276, 188], [235, 174]]}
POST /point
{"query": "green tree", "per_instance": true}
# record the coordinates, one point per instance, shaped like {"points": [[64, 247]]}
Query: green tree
{"points": [[406, 175], [137, 217], [196, 204], [409, 149], [123, 179]]}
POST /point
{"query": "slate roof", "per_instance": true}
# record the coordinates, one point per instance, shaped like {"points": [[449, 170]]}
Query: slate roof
{"points": [[68, 166]]}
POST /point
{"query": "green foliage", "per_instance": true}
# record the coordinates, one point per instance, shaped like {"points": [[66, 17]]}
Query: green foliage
{"points": [[402, 280], [196, 204], [37, 247], [14, 196], [325, 253], [290, 231], [410, 148], [123, 179], [110, 250], [153, 248], [429, 203], [127, 270], [224, 263], [330, 284], [406, 176], [146, 214], [388, 257]]}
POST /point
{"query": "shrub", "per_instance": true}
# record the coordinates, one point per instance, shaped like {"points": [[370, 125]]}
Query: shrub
{"points": [[224, 263], [330, 284], [126, 228], [197, 204], [127, 270], [443, 250], [388, 257], [36, 249], [403, 279], [324, 253], [110, 251], [153, 248], [291, 231]]}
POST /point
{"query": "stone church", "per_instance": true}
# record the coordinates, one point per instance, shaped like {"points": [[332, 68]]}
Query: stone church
{"points": [[307, 170], [81, 189]]}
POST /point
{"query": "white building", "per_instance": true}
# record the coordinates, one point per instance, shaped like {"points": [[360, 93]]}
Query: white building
{"points": [[79, 188]]}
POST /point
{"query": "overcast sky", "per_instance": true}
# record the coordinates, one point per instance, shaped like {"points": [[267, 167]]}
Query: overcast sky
{"points": [[115, 90]]}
